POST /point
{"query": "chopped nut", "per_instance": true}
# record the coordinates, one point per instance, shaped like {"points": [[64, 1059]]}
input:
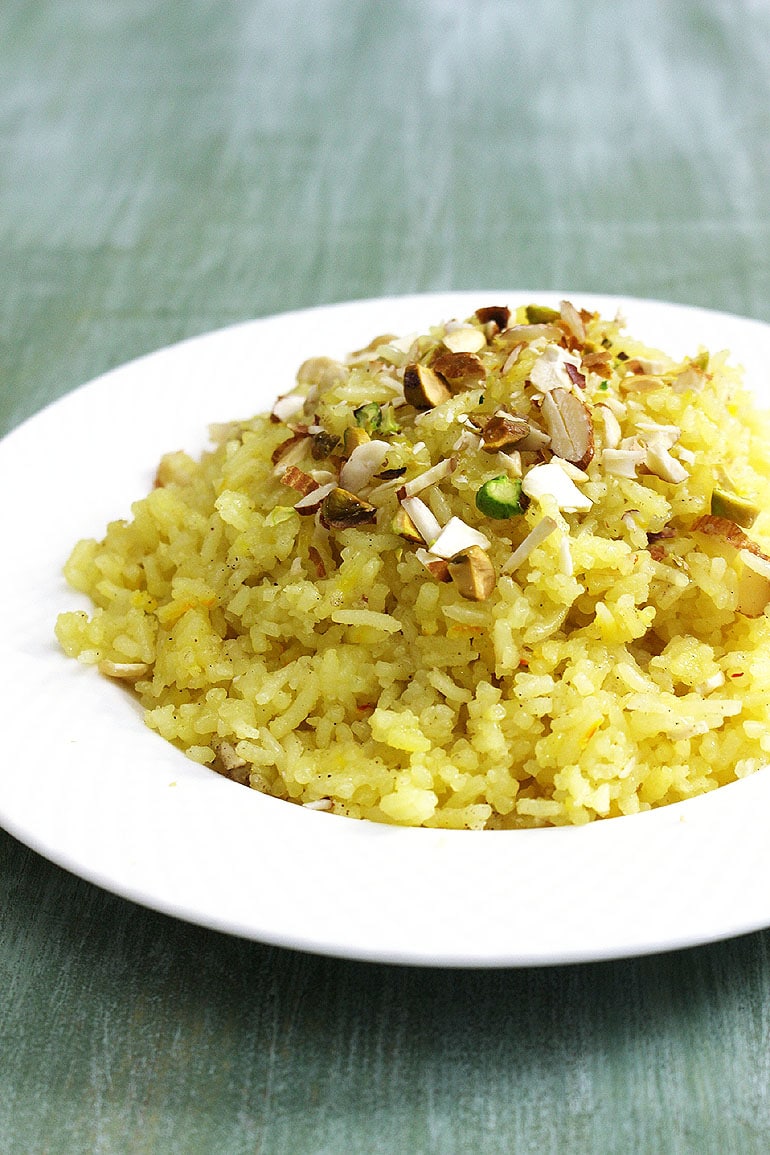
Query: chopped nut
{"points": [[464, 339], [503, 431], [738, 509], [437, 567], [455, 537], [460, 370], [541, 314], [286, 406], [423, 518], [573, 321], [423, 388], [641, 383], [569, 424], [353, 436], [313, 501], [430, 476], [341, 509], [362, 464], [323, 444], [403, 525], [499, 315], [550, 480], [539, 532], [473, 573], [299, 480], [501, 497], [296, 439], [321, 371], [731, 533]]}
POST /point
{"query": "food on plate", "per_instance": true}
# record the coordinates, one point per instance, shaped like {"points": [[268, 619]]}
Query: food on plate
{"points": [[510, 572]]}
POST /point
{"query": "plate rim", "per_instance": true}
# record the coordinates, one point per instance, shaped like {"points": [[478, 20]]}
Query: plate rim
{"points": [[696, 815]]}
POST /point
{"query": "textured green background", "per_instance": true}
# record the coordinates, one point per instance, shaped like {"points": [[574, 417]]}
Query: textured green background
{"points": [[167, 168]]}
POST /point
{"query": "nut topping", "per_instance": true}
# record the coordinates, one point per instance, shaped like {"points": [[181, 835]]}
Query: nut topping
{"points": [[569, 425], [460, 370], [423, 388], [473, 573], [503, 431]]}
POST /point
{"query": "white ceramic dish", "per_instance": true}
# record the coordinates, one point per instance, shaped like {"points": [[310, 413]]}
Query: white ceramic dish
{"points": [[83, 781]]}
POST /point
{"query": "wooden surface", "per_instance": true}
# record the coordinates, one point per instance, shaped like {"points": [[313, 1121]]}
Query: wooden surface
{"points": [[168, 168]]}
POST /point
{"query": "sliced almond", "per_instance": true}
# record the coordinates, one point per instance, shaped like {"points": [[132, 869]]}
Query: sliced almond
{"points": [[464, 339], [572, 320], [569, 425], [313, 501], [641, 383], [280, 451], [460, 370], [423, 388], [455, 537], [297, 479]]}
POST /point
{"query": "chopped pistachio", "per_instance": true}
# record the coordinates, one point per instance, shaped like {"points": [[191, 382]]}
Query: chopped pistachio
{"points": [[368, 416], [423, 388], [403, 525], [341, 509], [541, 314], [738, 509], [353, 436], [501, 497], [473, 573], [323, 444]]}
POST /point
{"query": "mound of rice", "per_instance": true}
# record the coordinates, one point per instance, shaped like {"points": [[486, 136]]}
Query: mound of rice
{"points": [[508, 573]]}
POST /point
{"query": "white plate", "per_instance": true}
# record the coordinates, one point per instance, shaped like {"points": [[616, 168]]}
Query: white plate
{"points": [[83, 781]]}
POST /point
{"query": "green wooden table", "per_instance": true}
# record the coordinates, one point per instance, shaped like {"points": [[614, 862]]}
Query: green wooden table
{"points": [[166, 169]]}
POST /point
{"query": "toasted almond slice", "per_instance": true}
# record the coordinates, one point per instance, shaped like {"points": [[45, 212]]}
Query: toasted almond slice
{"points": [[572, 320], [464, 339], [297, 479], [569, 424]]}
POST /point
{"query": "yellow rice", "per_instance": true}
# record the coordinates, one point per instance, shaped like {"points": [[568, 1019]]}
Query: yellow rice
{"points": [[609, 672]]}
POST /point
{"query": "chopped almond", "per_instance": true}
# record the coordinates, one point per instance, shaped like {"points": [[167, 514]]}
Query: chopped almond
{"points": [[569, 424]]}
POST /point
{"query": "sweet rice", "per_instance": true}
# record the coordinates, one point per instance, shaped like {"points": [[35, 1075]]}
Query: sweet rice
{"points": [[511, 572]]}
